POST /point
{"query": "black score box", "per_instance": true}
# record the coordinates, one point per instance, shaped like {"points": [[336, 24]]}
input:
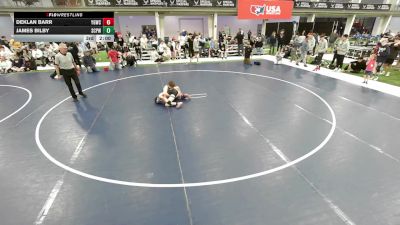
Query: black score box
{"points": [[58, 22], [58, 30]]}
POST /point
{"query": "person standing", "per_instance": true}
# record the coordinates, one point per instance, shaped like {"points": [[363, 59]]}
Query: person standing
{"points": [[249, 34], [342, 48], [281, 40], [304, 48], [196, 47], [321, 49], [394, 49], [65, 65], [190, 44], [239, 37], [370, 68], [272, 43]]}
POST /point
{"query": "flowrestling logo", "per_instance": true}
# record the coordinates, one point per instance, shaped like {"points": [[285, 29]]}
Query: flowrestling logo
{"points": [[260, 10]]}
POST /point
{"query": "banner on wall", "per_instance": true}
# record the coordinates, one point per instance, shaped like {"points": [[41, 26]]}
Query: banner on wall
{"points": [[265, 9], [161, 3], [340, 6]]}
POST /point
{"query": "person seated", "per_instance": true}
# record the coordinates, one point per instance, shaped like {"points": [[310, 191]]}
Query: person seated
{"points": [[89, 62], [357, 66], [171, 96], [17, 63], [5, 65]]}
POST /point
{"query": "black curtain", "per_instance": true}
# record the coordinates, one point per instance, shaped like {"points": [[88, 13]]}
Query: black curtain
{"points": [[270, 27], [323, 27], [288, 27], [307, 27]]}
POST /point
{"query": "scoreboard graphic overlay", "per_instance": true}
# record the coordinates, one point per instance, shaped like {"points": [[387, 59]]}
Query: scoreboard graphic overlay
{"points": [[94, 26]]}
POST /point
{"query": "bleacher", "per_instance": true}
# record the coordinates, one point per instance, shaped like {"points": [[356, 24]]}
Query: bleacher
{"points": [[232, 50]]}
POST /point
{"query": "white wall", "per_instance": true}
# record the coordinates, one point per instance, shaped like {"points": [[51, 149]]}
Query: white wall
{"points": [[133, 23], [234, 24], [394, 25], [174, 24], [7, 26]]}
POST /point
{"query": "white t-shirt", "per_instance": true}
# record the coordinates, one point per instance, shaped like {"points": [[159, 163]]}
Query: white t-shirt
{"points": [[37, 53], [5, 64]]}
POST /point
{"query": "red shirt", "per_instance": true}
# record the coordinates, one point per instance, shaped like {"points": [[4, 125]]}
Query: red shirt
{"points": [[370, 65], [113, 55]]}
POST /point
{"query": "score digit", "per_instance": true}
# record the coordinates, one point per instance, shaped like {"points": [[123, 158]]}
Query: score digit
{"points": [[108, 30], [108, 21]]}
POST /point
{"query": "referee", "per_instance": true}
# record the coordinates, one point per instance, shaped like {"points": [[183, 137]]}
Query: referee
{"points": [[65, 65]]}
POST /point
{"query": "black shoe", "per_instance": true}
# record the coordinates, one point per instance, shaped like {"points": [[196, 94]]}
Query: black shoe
{"points": [[75, 99], [83, 95]]}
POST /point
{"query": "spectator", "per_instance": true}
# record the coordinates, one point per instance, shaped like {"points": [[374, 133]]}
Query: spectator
{"points": [[17, 63], [321, 49], [281, 39], [137, 47], [5, 65], [370, 68], [15, 45], [311, 44], [89, 62], [4, 41], [272, 43], [213, 50], [223, 48], [316, 41], [5, 52], [29, 62], [394, 48], [196, 47], [259, 45], [248, 35], [172, 47], [73, 49], [48, 55], [154, 56], [239, 37], [357, 66], [154, 42], [161, 48], [304, 48], [37, 55], [190, 40], [382, 51], [143, 42], [342, 48], [183, 45], [183, 33]]}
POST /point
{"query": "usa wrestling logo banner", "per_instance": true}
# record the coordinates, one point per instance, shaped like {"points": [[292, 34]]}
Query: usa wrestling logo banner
{"points": [[265, 9]]}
